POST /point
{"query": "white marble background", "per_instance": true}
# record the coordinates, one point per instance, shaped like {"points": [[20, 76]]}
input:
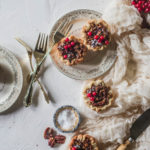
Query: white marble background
{"points": [[22, 128]]}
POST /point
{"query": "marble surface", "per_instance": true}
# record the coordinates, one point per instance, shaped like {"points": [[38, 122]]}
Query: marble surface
{"points": [[22, 128]]}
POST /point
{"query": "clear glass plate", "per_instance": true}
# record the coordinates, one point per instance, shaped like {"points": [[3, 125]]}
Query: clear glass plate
{"points": [[95, 63]]}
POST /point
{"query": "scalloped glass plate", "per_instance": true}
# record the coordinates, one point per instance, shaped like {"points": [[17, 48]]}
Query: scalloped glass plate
{"points": [[95, 64], [11, 79]]}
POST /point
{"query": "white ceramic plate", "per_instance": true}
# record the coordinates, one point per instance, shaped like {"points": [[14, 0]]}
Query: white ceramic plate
{"points": [[95, 63], [11, 79]]}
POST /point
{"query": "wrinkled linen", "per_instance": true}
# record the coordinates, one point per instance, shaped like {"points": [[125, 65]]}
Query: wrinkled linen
{"points": [[129, 79]]}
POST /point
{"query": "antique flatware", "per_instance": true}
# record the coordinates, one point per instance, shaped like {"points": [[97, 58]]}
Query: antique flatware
{"points": [[137, 128], [40, 46], [30, 51], [62, 31]]}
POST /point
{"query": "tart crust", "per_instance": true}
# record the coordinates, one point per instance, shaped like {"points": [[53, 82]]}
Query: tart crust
{"points": [[81, 138], [74, 60], [87, 100], [87, 27]]}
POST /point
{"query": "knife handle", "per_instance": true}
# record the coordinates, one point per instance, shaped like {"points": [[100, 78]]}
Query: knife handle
{"points": [[124, 146]]}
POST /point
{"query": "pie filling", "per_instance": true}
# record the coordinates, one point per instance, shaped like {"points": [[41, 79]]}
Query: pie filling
{"points": [[82, 145], [71, 49], [99, 95], [97, 35]]}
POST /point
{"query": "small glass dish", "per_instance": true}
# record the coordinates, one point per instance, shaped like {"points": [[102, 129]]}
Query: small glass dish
{"points": [[65, 115]]}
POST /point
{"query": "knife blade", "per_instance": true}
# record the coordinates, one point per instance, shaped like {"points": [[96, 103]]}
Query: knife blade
{"points": [[140, 125], [137, 128]]}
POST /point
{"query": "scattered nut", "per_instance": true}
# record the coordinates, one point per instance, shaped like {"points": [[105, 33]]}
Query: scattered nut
{"points": [[53, 139], [48, 133], [60, 139], [51, 142]]}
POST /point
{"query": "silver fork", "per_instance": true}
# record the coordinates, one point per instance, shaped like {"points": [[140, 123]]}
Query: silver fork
{"points": [[30, 51], [40, 52], [62, 31], [41, 47]]}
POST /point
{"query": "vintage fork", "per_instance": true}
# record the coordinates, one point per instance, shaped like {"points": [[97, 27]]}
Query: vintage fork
{"points": [[62, 31], [30, 51], [40, 49], [39, 52]]}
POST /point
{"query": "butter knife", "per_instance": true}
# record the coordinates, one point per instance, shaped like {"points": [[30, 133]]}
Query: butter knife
{"points": [[137, 128]]}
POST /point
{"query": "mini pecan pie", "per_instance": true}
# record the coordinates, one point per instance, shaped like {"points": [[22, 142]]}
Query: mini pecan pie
{"points": [[83, 142], [96, 35], [97, 95], [71, 50]]}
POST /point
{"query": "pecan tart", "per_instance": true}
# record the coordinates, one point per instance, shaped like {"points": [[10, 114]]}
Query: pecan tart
{"points": [[96, 35], [70, 50], [83, 142], [97, 95]]}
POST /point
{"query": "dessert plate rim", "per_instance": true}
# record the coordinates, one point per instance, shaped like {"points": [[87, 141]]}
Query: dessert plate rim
{"points": [[52, 32], [18, 81]]}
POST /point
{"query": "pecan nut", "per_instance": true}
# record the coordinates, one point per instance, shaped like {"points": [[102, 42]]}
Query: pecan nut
{"points": [[51, 142], [48, 133], [60, 139]]}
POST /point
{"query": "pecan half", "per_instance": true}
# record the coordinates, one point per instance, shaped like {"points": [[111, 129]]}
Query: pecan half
{"points": [[51, 142], [60, 139], [48, 133]]}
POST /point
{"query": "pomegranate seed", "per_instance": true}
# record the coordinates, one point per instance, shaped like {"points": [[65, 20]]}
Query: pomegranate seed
{"points": [[146, 4], [146, 10], [137, 5], [92, 98], [66, 47], [94, 93], [72, 43], [89, 95], [102, 38], [139, 9], [106, 42], [67, 39], [140, 2], [96, 37], [69, 46], [143, 6], [74, 148], [89, 33], [133, 3], [65, 56], [99, 41]]}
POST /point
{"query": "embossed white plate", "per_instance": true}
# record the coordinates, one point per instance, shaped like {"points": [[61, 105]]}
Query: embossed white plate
{"points": [[95, 63], [11, 79]]}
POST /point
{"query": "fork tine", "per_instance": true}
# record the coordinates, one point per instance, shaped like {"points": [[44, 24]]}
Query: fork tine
{"points": [[41, 41], [46, 43], [68, 29], [64, 26], [61, 25], [37, 43]]}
